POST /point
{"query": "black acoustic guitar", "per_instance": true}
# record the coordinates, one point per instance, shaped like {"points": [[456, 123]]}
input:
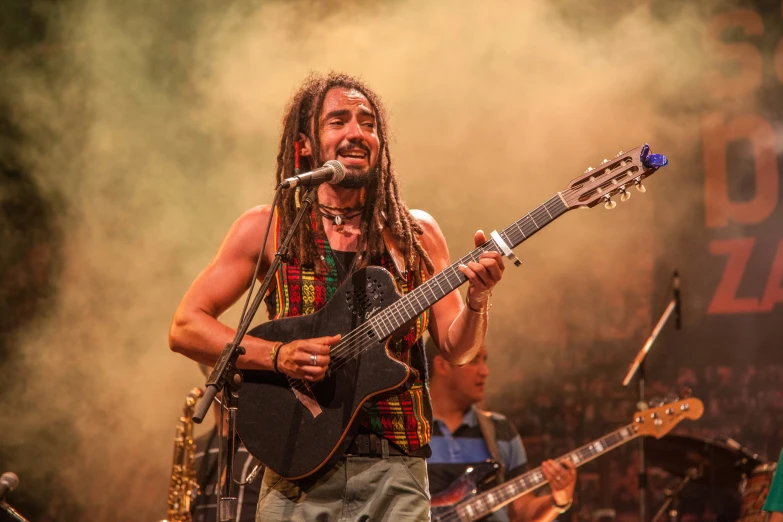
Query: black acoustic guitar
{"points": [[461, 502], [296, 427]]}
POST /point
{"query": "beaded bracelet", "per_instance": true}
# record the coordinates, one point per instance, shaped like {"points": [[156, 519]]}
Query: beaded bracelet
{"points": [[273, 355]]}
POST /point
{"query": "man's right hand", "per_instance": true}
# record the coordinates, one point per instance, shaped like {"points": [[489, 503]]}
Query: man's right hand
{"points": [[295, 359]]}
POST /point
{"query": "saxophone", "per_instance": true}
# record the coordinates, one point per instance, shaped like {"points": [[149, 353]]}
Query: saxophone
{"points": [[183, 488]]}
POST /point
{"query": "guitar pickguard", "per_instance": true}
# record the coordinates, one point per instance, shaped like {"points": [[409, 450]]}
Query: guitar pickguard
{"points": [[304, 394]]}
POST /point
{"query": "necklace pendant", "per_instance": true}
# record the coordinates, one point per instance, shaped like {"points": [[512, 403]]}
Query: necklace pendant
{"points": [[338, 220]]}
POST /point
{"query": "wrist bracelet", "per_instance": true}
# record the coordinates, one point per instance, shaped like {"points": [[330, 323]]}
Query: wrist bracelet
{"points": [[273, 355], [562, 508], [474, 310]]}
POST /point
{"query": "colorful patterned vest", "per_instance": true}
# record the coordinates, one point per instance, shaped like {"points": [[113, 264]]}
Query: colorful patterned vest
{"points": [[402, 417]]}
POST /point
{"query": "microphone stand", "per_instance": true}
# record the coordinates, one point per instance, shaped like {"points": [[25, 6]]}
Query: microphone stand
{"points": [[638, 366], [227, 377], [12, 512]]}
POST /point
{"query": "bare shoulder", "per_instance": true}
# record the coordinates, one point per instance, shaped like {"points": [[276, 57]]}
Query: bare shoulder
{"points": [[247, 233], [252, 222], [256, 216], [433, 236]]}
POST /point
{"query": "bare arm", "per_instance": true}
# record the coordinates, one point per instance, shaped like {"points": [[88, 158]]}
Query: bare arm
{"points": [[530, 508], [562, 480], [195, 330], [457, 331]]}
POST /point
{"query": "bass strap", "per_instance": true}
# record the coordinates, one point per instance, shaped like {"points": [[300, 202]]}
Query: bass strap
{"points": [[487, 427]]}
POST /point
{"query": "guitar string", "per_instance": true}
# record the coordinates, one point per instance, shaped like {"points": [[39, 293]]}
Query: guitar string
{"points": [[350, 340], [353, 344], [395, 309], [349, 347]]}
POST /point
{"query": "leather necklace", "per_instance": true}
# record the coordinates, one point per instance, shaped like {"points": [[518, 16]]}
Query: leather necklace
{"points": [[339, 215]]}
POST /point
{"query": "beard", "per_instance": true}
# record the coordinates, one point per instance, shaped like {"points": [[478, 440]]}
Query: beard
{"points": [[355, 179]]}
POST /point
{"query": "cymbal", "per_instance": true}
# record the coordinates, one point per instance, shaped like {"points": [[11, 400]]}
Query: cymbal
{"points": [[721, 462]]}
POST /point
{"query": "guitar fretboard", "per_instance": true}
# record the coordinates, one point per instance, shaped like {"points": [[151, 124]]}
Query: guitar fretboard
{"points": [[435, 289], [485, 503]]}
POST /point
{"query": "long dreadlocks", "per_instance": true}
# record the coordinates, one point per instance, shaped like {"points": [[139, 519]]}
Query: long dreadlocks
{"points": [[382, 207]]}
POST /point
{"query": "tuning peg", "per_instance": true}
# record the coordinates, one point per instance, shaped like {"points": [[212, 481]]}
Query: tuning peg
{"points": [[624, 195], [589, 169], [670, 398], [604, 161], [609, 205], [619, 154], [641, 188], [655, 402]]}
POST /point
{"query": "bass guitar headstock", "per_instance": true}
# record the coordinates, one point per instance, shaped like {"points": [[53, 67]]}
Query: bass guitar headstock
{"points": [[659, 421]]}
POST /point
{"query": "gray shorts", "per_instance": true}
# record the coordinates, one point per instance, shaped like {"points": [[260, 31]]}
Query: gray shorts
{"points": [[355, 489]]}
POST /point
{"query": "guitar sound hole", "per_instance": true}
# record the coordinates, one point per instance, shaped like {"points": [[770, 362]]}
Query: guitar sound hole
{"points": [[363, 300]]}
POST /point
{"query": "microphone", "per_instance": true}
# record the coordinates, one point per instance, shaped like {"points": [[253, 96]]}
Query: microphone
{"points": [[332, 172], [8, 483], [677, 303]]}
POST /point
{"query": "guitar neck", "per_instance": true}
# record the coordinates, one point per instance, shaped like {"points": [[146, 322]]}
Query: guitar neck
{"points": [[491, 500], [439, 286]]}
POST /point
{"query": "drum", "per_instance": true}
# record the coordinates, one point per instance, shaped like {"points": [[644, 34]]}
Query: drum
{"points": [[754, 493]]}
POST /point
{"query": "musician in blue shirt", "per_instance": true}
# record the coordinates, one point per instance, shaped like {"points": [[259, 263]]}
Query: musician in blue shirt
{"points": [[459, 433]]}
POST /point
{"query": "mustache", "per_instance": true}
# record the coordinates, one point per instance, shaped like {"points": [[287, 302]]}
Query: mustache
{"points": [[353, 147]]}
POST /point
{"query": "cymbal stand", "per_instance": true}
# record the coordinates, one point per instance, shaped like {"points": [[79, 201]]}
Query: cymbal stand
{"points": [[672, 503]]}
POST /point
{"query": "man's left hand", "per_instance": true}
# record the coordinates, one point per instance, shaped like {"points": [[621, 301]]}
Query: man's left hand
{"points": [[484, 274], [562, 479]]}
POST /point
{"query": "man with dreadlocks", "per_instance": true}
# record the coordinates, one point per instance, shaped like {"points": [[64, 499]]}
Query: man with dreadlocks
{"points": [[359, 222]]}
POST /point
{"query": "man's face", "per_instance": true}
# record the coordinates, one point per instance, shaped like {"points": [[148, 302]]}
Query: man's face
{"points": [[467, 382], [349, 135]]}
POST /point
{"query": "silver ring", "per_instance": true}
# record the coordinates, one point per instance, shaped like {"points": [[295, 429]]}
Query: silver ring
{"points": [[313, 360]]}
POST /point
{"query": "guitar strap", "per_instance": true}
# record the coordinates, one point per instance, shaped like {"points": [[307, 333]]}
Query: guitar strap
{"points": [[487, 427]]}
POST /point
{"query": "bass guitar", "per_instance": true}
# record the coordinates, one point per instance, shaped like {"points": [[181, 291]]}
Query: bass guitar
{"points": [[461, 502], [296, 427]]}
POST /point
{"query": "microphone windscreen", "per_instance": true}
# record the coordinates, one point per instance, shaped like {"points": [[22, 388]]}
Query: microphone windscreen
{"points": [[10, 480], [339, 171]]}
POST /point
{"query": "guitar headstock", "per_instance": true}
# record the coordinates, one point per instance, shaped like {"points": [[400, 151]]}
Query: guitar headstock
{"points": [[659, 421], [612, 177]]}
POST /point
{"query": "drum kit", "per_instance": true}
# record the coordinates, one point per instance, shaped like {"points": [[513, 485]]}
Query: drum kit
{"points": [[721, 465]]}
